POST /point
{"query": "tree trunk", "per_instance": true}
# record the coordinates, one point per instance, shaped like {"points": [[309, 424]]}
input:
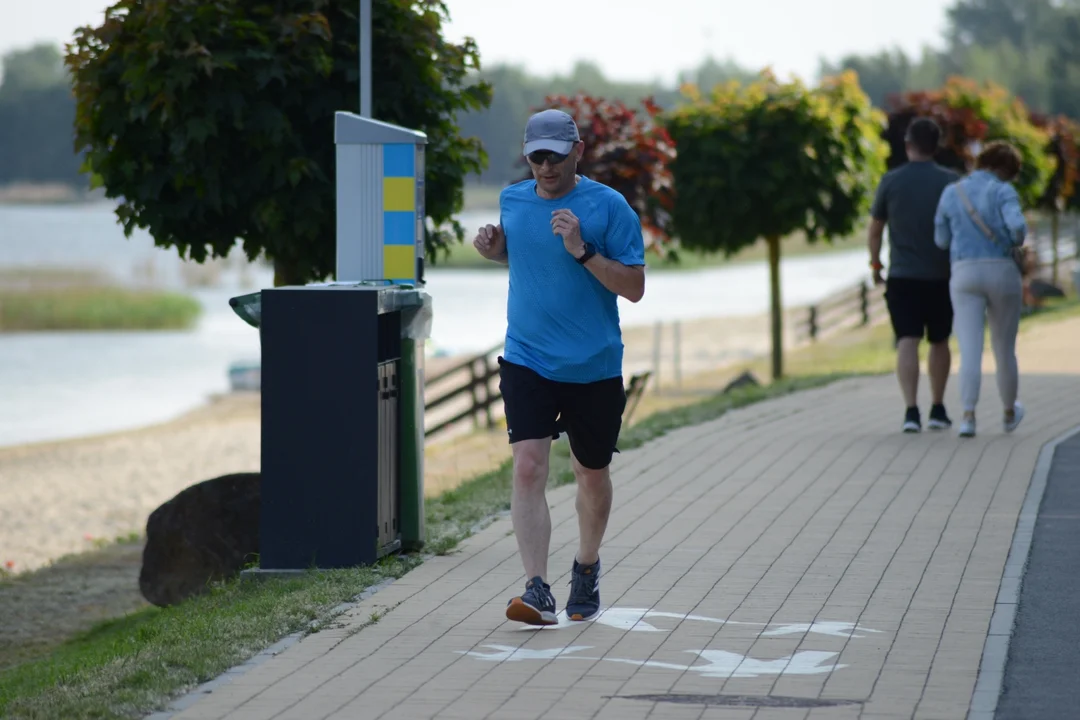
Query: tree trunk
{"points": [[286, 273], [1055, 226], [776, 309]]}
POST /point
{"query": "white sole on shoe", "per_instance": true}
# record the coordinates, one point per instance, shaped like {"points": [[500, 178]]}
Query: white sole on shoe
{"points": [[938, 425], [1018, 416], [910, 427], [520, 611]]}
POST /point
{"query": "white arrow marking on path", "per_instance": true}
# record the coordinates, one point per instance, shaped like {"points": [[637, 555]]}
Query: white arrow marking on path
{"points": [[634, 620], [509, 653], [718, 663], [836, 629], [723, 664]]}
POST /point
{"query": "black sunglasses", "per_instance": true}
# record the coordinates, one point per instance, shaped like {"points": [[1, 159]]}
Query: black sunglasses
{"points": [[552, 158]]}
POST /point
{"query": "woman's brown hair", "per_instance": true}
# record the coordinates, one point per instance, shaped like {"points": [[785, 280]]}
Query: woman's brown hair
{"points": [[1000, 158]]}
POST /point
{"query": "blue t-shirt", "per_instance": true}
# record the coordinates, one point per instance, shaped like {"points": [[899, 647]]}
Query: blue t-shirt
{"points": [[562, 323]]}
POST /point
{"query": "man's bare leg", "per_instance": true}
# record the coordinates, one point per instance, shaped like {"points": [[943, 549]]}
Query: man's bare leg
{"points": [[593, 509], [939, 364], [528, 505], [907, 369], [532, 528]]}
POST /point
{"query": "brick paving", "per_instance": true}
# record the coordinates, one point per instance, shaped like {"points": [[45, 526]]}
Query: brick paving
{"points": [[801, 548]]}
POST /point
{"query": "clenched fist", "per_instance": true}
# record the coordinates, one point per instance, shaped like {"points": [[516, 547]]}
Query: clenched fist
{"points": [[490, 242], [565, 224]]}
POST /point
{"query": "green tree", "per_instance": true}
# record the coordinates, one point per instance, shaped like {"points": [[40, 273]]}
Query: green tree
{"points": [[213, 122], [768, 159], [38, 67], [516, 92], [1024, 24], [1007, 118], [36, 113]]}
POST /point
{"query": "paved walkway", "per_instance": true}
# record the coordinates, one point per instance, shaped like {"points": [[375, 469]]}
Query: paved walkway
{"points": [[800, 549]]}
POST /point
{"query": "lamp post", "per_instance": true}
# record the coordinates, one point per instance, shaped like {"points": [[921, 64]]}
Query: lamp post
{"points": [[365, 58]]}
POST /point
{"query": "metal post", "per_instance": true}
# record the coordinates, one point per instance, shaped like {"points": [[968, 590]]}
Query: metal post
{"points": [[365, 58], [677, 341], [864, 302], [657, 330]]}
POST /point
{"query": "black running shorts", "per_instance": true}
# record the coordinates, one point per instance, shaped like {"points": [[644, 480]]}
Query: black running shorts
{"points": [[589, 413], [919, 308]]}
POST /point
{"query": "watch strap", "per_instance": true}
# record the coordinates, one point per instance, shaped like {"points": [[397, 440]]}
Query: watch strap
{"points": [[587, 255]]}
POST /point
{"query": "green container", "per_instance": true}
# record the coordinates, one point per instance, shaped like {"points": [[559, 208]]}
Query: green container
{"points": [[415, 329], [248, 307]]}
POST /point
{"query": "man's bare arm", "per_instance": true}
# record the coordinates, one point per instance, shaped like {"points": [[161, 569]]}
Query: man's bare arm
{"points": [[627, 281], [876, 235]]}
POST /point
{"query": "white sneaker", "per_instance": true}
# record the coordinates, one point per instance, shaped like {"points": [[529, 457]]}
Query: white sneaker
{"points": [[967, 427], [1018, 415]]}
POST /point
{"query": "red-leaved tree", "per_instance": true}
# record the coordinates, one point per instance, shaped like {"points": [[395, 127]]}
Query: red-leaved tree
{"points": [[1060, 192], [960, 127], [1064, 134], [971, 114], [629, 151]]}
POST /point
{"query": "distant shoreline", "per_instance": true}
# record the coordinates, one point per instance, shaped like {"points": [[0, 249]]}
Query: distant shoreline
{"points": [[477, 197], [48, 194]]}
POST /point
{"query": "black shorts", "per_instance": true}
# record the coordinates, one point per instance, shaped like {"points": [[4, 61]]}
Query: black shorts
{"points": [[919, 308], [589, 413]]}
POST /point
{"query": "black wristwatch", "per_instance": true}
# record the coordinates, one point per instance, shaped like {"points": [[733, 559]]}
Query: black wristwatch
{"points": [[589, 252]]}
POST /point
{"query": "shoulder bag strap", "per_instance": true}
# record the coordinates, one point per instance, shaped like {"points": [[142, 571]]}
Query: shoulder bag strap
{"points": [[973, 213], [1015, 252]]}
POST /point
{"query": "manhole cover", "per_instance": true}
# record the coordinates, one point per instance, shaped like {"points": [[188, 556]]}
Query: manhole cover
{"points": [[758, 701]]}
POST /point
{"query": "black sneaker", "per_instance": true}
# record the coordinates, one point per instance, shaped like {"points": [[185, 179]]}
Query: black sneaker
{"points": [[536, 606], [939, 419], [912, 420], [584, 599]]}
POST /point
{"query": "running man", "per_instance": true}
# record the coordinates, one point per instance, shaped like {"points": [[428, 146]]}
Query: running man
{"points": [[573, 247]]}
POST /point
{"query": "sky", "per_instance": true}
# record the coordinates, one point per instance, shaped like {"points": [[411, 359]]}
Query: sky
{"points": [[628, 39]]}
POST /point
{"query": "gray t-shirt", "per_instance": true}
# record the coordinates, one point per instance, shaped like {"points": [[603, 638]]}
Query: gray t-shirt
{"points": [[907, 199]]}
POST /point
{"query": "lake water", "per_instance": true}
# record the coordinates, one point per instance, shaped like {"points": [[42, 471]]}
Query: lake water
{"points": [[60, 385]]}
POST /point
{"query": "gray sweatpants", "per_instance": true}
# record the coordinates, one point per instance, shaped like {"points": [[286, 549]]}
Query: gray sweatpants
{"points": [[981, 290]]}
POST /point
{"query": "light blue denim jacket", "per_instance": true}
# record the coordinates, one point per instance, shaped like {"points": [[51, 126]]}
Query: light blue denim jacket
{"points": [[998, 205]]}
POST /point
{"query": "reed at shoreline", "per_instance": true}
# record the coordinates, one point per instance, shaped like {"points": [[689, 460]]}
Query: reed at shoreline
{"points": [[95, 308]]}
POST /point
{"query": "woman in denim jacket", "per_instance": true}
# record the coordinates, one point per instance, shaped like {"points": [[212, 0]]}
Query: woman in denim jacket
{"points": [[980, 222]]}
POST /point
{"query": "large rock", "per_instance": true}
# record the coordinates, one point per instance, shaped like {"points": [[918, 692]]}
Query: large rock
{"points": [[208, 532], [747, 379]]}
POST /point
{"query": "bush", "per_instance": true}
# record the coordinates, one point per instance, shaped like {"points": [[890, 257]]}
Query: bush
{"points": [[971, 115]]}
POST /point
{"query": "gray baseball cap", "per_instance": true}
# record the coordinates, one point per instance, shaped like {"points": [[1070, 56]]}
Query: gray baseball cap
{"points": [[551, 130]]}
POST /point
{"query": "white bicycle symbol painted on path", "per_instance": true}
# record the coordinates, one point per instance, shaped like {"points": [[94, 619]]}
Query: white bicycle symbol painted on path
{"points": [[634, 620], [717, 663]]}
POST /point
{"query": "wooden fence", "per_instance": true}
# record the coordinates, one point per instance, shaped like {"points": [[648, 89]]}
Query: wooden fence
{"points": [[859, 306], [864, 304], [468, 392]]}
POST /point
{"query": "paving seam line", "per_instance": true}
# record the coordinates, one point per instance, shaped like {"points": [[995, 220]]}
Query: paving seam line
{"points": [[995, 653]]}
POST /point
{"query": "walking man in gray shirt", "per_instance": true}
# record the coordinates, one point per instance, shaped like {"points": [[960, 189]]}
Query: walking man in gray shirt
{"points": [[917, 288]]}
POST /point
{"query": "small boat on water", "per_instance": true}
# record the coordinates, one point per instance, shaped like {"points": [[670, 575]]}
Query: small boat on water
{"points": [[245, 376]]}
